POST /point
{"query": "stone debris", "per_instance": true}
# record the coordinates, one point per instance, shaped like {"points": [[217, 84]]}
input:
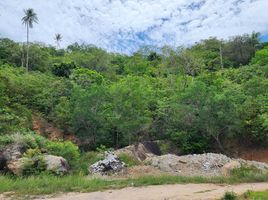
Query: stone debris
{"points": [[111, 164], [209, 164]]}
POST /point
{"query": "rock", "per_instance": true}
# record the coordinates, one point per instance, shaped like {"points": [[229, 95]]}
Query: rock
{"points": [[227, 168], [56, 164], [111, 164], [2, 161], [190, 165], [140, 151], [10, 156], [209, 164], [16, 166], [13, 152]]}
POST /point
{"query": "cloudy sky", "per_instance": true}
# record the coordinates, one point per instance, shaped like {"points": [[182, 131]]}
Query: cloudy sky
{"points": [[125, 25]]}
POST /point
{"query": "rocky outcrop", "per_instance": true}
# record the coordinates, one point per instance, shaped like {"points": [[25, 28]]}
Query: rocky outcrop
{"points": [[11, 159], [10, 156], [13, 152], [16, 166], [111, 164], [56, 164]]}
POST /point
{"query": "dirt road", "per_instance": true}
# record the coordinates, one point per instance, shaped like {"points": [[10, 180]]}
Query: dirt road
{"points": [[165, 192]]}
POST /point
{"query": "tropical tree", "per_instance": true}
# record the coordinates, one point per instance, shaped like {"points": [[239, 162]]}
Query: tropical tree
{"points": [[58, 39], [29, 19]]}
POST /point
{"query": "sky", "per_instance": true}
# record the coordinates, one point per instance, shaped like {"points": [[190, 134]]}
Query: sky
{"points": [[125, 25]]}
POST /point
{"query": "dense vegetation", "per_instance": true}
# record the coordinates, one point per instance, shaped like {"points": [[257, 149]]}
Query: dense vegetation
{"points": [[196, 99]]}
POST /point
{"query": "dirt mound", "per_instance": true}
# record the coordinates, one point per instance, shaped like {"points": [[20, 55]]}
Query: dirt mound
{"points": [[138, 171], [140, 151], [49, 130], [209, 164]]}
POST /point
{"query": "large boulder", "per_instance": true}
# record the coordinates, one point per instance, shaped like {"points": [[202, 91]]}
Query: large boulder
{"points": [[56, 164], [111, 164], [16, 166], [11, 154]]}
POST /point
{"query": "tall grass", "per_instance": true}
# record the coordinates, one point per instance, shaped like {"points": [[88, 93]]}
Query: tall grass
{"points": [[48, 184]]}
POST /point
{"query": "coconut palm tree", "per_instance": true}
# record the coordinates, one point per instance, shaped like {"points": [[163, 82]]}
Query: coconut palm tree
{"points": [[29, 19], [58, 39]]}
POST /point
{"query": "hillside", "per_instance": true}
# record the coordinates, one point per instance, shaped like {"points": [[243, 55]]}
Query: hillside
{"points": [[59, 115]]}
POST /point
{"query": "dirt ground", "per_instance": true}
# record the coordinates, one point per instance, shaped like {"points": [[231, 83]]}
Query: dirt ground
{"points": [[165, 192]]}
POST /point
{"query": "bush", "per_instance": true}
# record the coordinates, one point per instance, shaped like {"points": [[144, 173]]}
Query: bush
{"points": [[4, 141], [33, 162], [65, 149], [128, 160], [25, 138], [85, 160], [229, 196], [245, 171]]}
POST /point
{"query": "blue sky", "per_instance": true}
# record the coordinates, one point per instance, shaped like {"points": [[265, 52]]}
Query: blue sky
{"points": [[264, 38], [126, 25]]}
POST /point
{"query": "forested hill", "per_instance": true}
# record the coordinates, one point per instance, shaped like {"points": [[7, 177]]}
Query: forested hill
{"points": [[197, 99]]}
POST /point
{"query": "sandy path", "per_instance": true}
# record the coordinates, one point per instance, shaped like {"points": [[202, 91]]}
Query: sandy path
{"points": [[165, 192]]}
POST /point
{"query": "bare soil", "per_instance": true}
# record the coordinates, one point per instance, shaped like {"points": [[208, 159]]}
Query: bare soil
{"points": [[165, 192]]}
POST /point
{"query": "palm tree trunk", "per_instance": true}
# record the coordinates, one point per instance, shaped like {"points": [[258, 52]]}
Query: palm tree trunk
{"points": [[22, 55], [27, 56], [221, 55]]}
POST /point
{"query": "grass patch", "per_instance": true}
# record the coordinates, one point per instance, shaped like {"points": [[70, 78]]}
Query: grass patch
{"points": [[229, 196], [49, 184], [250, 195], [85, 160], [128, 160]]}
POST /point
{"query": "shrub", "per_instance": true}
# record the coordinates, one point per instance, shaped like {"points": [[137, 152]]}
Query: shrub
{"points": [[5, 140], [129, 160], [33, 162], [245, 171], [65, 149], [86, 159], [229, 196]]}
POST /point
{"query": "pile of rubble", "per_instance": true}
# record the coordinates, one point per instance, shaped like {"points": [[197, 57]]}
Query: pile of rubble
{"points": [[110, 165], [209, 164]]}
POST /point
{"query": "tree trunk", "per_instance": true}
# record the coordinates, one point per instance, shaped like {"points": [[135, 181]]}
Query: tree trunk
{"points": [[221, 56], [220, 144], [22, 55], [27, 56]]}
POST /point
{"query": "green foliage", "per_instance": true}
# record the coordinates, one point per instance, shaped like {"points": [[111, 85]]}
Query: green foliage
{"points": [[255, 195], [85, 77], [189, 143], [195, 98], [63, 69], [85, 160], [245, 171], [261, 57], [33, 162], [34, 185], [128, 160], [229, 196], [65, 149], [10, 52]]}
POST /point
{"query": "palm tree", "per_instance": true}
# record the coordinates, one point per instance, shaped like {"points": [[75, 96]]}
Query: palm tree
{"points": [[29, 19], [58, 39]]}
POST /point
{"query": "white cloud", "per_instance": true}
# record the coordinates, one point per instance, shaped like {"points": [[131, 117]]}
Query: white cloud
{"points": [[123, 25]]}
